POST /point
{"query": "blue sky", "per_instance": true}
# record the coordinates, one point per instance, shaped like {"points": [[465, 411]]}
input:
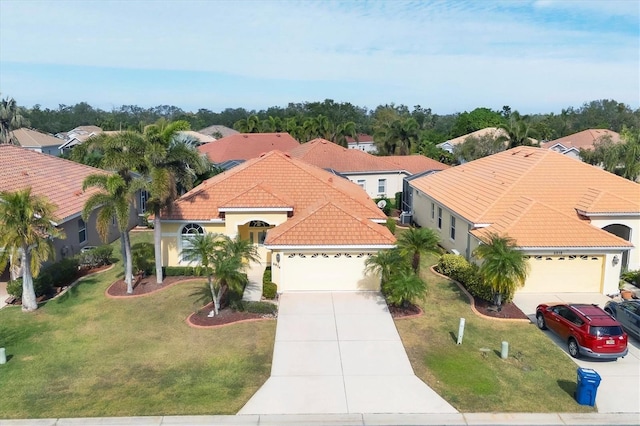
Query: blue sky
{"points": [[451, 56]]}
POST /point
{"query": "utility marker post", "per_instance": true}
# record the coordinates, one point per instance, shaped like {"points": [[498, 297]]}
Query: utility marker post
{"points": [[460, 331]]}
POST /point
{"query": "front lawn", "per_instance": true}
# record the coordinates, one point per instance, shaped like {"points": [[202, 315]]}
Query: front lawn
{"points": [[537, 377], [87, 355]]}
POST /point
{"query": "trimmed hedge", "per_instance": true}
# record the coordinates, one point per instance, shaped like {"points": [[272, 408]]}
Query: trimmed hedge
{"points": [[632, 276], [254, 307], [391, 225], [96, 257], [457, 268], [269, 290], [188, 271], [266, 277], [59, 274]]}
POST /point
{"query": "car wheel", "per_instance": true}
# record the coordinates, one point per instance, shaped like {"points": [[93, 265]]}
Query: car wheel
{"points": [[540, 322], [573, 348]]}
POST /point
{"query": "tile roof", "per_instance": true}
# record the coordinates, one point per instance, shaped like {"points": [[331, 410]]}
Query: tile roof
{"points": [[584, 139], [487, 131], [244, 146], [415, 163], [200, 137], [484, 191], [223, 130], [33, 138], [328, 155], [275, 178], [58, 179], [362, 138], [329, 224]]}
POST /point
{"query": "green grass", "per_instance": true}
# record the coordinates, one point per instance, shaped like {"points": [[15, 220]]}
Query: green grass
{"points": [[87, 355], [537, 376]]}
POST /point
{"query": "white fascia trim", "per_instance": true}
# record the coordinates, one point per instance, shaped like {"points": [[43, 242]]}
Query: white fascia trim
{"points": [[254, 209], [336, 247], [373, 173], [192, 220], [605, 214], [480, 225], [573, 249], [380, 221]]}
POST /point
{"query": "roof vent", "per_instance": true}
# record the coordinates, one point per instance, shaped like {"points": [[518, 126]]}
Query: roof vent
{"points": [[246, 136], [286, 154], [77, 193], [331, 179], [262, 154]]}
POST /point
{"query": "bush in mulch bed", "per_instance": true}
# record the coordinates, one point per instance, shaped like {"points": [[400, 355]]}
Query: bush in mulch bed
{"points": [[227, 316], [404, 311]]}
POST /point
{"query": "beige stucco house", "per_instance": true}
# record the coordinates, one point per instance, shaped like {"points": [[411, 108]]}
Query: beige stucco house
{"points": [[313, 228], [572, 144], [379, 176], [36, 141], [578, 225]]}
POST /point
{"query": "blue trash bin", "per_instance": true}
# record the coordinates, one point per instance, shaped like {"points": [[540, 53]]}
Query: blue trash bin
{"points": [[588, 382]]}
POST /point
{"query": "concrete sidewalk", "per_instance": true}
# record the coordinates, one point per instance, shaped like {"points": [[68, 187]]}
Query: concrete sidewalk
{"points": [[340, 352], [253, 290], [470, 419]]}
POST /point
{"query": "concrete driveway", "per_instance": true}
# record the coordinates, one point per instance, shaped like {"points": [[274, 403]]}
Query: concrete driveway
{"points": [[340, 353], [619, 390]]}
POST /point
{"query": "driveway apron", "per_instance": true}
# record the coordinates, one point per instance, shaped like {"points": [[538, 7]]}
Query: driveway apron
{"points": [[619, 390], [340, 353]]}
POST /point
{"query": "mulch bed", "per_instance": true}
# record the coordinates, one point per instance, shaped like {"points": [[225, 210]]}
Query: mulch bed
{"points": [[508, 310], [146, 286], [225, 316], [400, 312]]}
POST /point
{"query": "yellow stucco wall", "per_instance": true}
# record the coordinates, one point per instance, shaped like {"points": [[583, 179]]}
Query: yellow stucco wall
{"points": [[171, 242]]}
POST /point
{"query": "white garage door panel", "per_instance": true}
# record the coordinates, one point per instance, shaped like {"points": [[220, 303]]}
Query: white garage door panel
{"points": [[325, 272], [562, 274]]}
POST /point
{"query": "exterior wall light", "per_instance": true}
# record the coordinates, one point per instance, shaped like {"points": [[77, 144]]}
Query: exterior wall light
{"points": [[615, 260]]}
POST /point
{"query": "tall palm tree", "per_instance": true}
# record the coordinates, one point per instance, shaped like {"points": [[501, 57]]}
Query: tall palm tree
{"points": [[113, 201], [10, 119], [503, 267], [417, 241], [386, 263], [518, 130], [631, 153], [172, 166], [26, 232]]}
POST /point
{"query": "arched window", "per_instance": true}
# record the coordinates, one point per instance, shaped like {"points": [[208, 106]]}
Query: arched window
{"points": [[258, 235], [258, 224], [189, 231]]}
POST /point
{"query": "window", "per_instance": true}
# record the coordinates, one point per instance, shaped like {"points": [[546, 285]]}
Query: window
{"points": [[144, 196], [433, 211], [362, 183], [258, 235], [382, 186], [189, 232], [82, 231], [439, 217], [452, 233]]}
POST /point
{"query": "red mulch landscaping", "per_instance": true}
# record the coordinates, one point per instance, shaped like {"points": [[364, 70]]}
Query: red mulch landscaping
{"points": [[225, 316], [145, 286], [508, 310]]}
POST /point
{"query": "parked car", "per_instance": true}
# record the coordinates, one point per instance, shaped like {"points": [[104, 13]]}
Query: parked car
{"points": [[627, 313], [587, 329]]}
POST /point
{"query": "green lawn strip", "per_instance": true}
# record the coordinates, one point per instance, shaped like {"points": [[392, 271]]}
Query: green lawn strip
{"points": [[87, 355], [537, 377]]}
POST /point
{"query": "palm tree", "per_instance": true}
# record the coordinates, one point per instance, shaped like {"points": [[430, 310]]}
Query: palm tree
{"points": [[405, 288], [224, 261], [386, 263], [172, 166], [343, 131], [114, 201], [503, 267], [399, 136], [417, 241], [26, 232], [518, 130], [250, 124], [631, 154], [10, 119]]}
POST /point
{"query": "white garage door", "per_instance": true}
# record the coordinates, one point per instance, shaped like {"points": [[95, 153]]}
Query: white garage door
{"points": [[562, 274], [325, 271]]}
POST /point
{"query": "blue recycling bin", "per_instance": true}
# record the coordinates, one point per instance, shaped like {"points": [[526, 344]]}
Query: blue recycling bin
{"points": [[588, 382]]}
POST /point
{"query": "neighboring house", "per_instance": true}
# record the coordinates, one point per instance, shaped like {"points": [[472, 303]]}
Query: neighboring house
{"points": [[364, 143], [77, 136], [571, 145], [200, 137], [222, 131], [578, 225], [61, 182], [241, 147], [36, 141], [314, 229], [488, 131], [379, 176]]}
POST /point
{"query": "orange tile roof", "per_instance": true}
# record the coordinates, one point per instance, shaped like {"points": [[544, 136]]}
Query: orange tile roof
{"points": [[58, 179], [329, 225], [274, 178], [584, 139], [244, 146], [362, 137], [328, 155], [485, 190], [415, 163], [32, 138]]}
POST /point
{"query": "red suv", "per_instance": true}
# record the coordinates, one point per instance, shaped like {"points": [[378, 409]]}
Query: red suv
{"points": [[587, 329]]}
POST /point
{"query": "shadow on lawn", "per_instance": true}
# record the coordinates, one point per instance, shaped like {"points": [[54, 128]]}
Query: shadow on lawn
{"points": [[567, 386]]}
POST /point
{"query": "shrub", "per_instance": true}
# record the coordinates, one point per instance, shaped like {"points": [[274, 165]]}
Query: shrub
{"points": [[188, 271], [14, 288], [266, 277], [391, 225], [269, 290], [632, 276], [260, 308], [96, 257], [398, 200], [59, 274], [457, 268], [405, 288], [142, 256]]}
